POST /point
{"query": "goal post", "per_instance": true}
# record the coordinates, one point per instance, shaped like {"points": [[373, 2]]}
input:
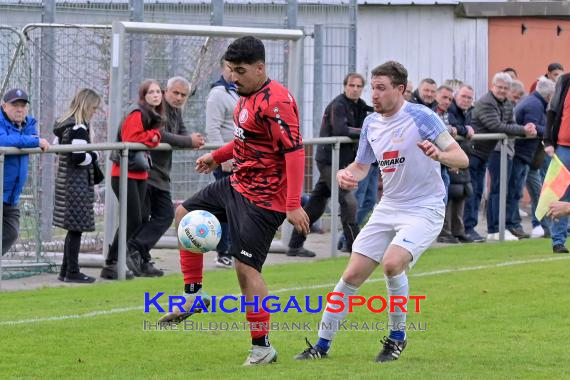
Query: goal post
{"points": [[121, 31]]}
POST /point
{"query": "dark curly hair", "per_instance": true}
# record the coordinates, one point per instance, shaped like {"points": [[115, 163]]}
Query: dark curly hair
{"points": [[246, 50]]}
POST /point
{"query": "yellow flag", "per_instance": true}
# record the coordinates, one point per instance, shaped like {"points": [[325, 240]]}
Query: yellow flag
{"points": [[554, 187]]}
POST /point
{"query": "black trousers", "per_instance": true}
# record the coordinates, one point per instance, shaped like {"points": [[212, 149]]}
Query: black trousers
{"points": [[316, 205], [136, 215], [70, 263], [158, 206], [10, 226]]}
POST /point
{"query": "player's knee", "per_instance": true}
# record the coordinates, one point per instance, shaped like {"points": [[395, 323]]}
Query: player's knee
{"points": [[392, 266], [352, 277], [180, 212]]}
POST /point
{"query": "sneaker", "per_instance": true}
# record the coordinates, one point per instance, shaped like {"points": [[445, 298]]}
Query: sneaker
{"points": [[311, 352], [518, 232], [110, 272], [79, 278], [61, 276], [447, 239], [464, 238], [178, 316], [224, 261], [134, 262], [300, 252], [149, 270], [537, 232], [508, 236], [559, 248], [260, 355], [475, 237], [391, 350]]}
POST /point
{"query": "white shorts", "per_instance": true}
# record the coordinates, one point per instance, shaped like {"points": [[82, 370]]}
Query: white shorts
{"points": [[412, 229]]}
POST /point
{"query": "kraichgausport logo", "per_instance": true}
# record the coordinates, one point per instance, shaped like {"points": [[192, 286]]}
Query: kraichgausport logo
{"points": [[274, 304]]}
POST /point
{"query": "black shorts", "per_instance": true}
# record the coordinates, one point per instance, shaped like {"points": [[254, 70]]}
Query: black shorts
{"points": [[251, 227]]}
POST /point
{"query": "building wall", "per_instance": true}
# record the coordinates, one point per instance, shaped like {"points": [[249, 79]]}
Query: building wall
{"points": [[429, 40], [531, 52]]}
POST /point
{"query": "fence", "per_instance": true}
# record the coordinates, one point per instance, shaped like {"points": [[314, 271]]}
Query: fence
{"points": [[51, 61]]}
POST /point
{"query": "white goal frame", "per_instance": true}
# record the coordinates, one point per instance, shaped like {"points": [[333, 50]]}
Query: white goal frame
{"points": [[118, 62]]}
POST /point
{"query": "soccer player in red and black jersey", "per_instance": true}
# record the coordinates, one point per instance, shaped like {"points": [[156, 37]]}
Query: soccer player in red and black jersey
{"points": [[264, 189]]}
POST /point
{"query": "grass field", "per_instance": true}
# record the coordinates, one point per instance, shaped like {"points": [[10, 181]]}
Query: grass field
{"points": [[492, 311]]}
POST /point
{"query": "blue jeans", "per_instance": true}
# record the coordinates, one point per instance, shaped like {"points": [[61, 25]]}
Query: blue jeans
{"points": [[446, 182], [515, 188], [493, 203], [367, 193], [225, 241], [477, 168], [559, 228], [534, 180]]}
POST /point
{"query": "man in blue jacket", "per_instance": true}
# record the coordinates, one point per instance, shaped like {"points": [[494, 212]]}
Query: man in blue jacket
{"points": [[19, 131], [531, 109]]}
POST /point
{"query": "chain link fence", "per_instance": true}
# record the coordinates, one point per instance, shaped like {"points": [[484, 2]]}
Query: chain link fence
{"points": [[54, 61]]}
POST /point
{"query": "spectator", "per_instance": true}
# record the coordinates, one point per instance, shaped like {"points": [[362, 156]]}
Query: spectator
{"points": [[425, 94], [343, 117], [443, 97], [459, 116], [512, 73], [17, 130], [515, 93], [408, 92], [142, 125], [74, 182], [557, 139], [220, 106], [492, 114], [158, 200], [554, 70], [531, 109]]}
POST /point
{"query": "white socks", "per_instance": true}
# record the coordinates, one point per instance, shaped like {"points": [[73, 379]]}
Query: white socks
{"points": [[330, 321], [397, 286]]}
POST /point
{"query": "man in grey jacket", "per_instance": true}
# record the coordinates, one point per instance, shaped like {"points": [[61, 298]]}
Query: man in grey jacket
{"points": [[158, 203], [493, 113], [220, 107]]}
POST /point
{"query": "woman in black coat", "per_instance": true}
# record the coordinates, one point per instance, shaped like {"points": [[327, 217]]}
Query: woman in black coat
{"points": [[74, 184]]}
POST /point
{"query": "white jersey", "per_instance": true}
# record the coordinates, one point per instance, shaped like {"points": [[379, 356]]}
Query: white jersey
{"points": [[411, 179]]}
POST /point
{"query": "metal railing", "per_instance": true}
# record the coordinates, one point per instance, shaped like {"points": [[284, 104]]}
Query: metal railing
{"points": [[279, 245]]}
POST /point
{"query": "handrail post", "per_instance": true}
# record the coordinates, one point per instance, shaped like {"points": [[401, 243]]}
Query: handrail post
{"points": [[503, 189], [123, 178], [1, 211], [334, 197]]}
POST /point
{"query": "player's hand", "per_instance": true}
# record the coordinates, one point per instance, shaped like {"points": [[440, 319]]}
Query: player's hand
{"points": [[206, 164], [300, 220], [558, 209], [549, 150], [197, 140], [429, 149], [346, 180], [44, 145], [227, 166], [470, 132]]}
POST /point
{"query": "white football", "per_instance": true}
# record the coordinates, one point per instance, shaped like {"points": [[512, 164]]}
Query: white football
{"points": [[199, 231]]}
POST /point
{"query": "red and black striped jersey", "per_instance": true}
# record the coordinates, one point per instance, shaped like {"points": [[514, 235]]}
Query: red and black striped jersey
{"points": [[266, 128]]}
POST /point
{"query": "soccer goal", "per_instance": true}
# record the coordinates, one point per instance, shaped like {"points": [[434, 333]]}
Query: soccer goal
{"points": [[143, 50]]}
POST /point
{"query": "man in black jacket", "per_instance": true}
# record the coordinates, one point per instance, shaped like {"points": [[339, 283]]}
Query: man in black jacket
{"points": [[493, 113], [343, 117], [557, 139], [425, 94], [159, 199]]}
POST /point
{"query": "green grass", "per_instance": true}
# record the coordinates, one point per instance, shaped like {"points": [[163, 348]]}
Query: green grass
{"points": [[493, 323]]}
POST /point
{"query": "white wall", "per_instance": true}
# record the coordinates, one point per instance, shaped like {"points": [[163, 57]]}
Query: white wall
{"points": [[428, 40]]}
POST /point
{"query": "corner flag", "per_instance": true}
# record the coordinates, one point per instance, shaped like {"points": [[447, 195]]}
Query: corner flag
{"points": [[554, 187]]}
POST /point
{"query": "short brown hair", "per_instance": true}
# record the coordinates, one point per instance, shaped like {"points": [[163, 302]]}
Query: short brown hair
{"points": [[353, 75], [394, 70]]}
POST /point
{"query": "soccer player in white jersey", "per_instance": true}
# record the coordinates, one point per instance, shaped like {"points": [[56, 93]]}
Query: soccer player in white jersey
{"points": [[409, 141]]}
